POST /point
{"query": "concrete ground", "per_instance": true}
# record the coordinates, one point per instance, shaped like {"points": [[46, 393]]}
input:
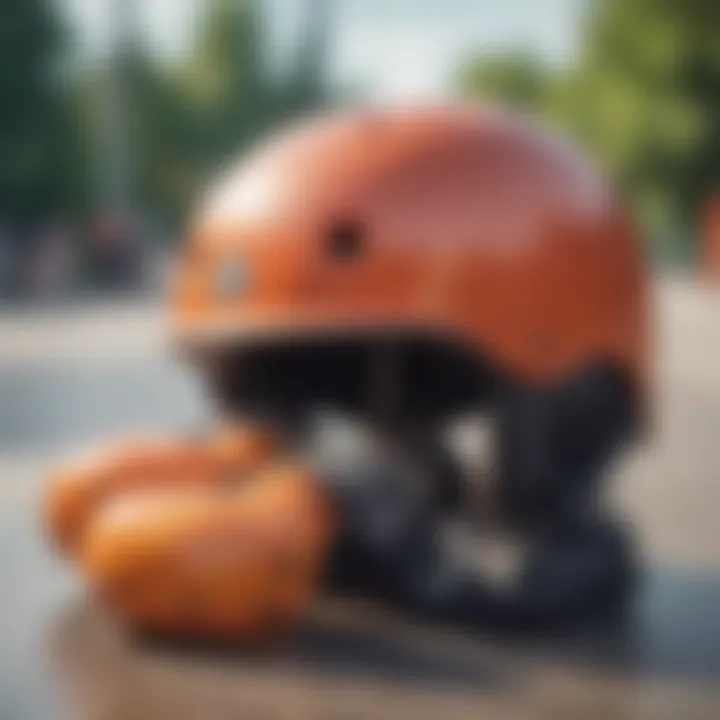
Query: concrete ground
{"points": [[68, 377]]}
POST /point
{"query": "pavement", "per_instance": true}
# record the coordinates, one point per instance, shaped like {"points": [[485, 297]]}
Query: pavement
{"points": [[71, 376]]}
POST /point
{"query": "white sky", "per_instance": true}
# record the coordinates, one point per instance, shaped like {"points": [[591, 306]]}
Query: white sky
{"points": [[392, 49]]}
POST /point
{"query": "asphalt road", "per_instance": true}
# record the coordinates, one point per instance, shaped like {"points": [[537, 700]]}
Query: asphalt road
{"points": [[68, 377]]}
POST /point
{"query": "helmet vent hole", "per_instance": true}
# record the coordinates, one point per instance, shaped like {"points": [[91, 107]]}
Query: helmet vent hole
{"points": [[346, 240]]}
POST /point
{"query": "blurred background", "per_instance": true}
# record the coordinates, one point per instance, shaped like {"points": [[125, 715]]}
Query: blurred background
{"points": [[115, 112]]}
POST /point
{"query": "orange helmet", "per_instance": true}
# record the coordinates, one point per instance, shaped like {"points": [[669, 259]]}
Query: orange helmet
{"points": [[411, 266], [462, 225], [242, 562]]}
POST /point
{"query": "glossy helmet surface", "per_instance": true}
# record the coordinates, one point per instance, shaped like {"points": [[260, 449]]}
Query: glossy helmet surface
{"points": [[459, 224]]}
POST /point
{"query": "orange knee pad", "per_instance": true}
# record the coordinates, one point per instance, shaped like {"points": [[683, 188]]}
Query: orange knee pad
{"points": [[241, 562], [77, 490]]}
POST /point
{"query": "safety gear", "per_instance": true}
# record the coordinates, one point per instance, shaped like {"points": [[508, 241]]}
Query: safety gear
{"points": [[77, 490], [404, 268], [576, 569], [461, 225], [242, 562]]}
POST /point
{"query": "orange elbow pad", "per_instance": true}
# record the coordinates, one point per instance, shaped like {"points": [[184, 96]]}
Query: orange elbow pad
{"points": [[77, 490], [242, 562]]}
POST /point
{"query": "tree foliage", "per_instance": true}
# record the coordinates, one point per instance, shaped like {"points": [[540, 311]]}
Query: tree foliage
{"points": [[233, 96], [222, 98], [516, 79], [643, 94], [179, 121], [36, 139]]}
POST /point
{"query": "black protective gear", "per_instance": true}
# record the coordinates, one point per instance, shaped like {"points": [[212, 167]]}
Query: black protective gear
{"points": [[392, 546]]}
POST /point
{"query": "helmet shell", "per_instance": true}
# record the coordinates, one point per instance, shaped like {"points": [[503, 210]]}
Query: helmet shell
{"points": [[460, 223]]}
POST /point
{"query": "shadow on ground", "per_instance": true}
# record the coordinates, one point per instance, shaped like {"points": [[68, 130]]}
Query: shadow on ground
{"points": [[670, 636]]}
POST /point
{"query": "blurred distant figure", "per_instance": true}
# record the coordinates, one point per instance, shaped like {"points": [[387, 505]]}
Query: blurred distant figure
{"points": [[114, 258], [711, 260], [51, 267], [6, 260]]}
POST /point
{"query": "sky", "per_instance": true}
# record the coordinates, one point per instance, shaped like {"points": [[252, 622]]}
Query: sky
{"points": [[391, 50]]}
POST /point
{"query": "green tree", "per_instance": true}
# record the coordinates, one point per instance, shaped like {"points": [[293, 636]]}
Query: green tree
{"points": [[644, 96], [37, 143], [304, 87], [516, 79], [224, 79], [160, 134], [233, 96], [185, 120]]}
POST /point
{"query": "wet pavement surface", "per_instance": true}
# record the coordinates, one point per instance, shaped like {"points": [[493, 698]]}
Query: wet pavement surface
{"points": [[68, 378]]}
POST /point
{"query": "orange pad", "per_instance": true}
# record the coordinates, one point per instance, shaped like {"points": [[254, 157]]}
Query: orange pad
{"points": [[241, 562], [77, 490]]}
